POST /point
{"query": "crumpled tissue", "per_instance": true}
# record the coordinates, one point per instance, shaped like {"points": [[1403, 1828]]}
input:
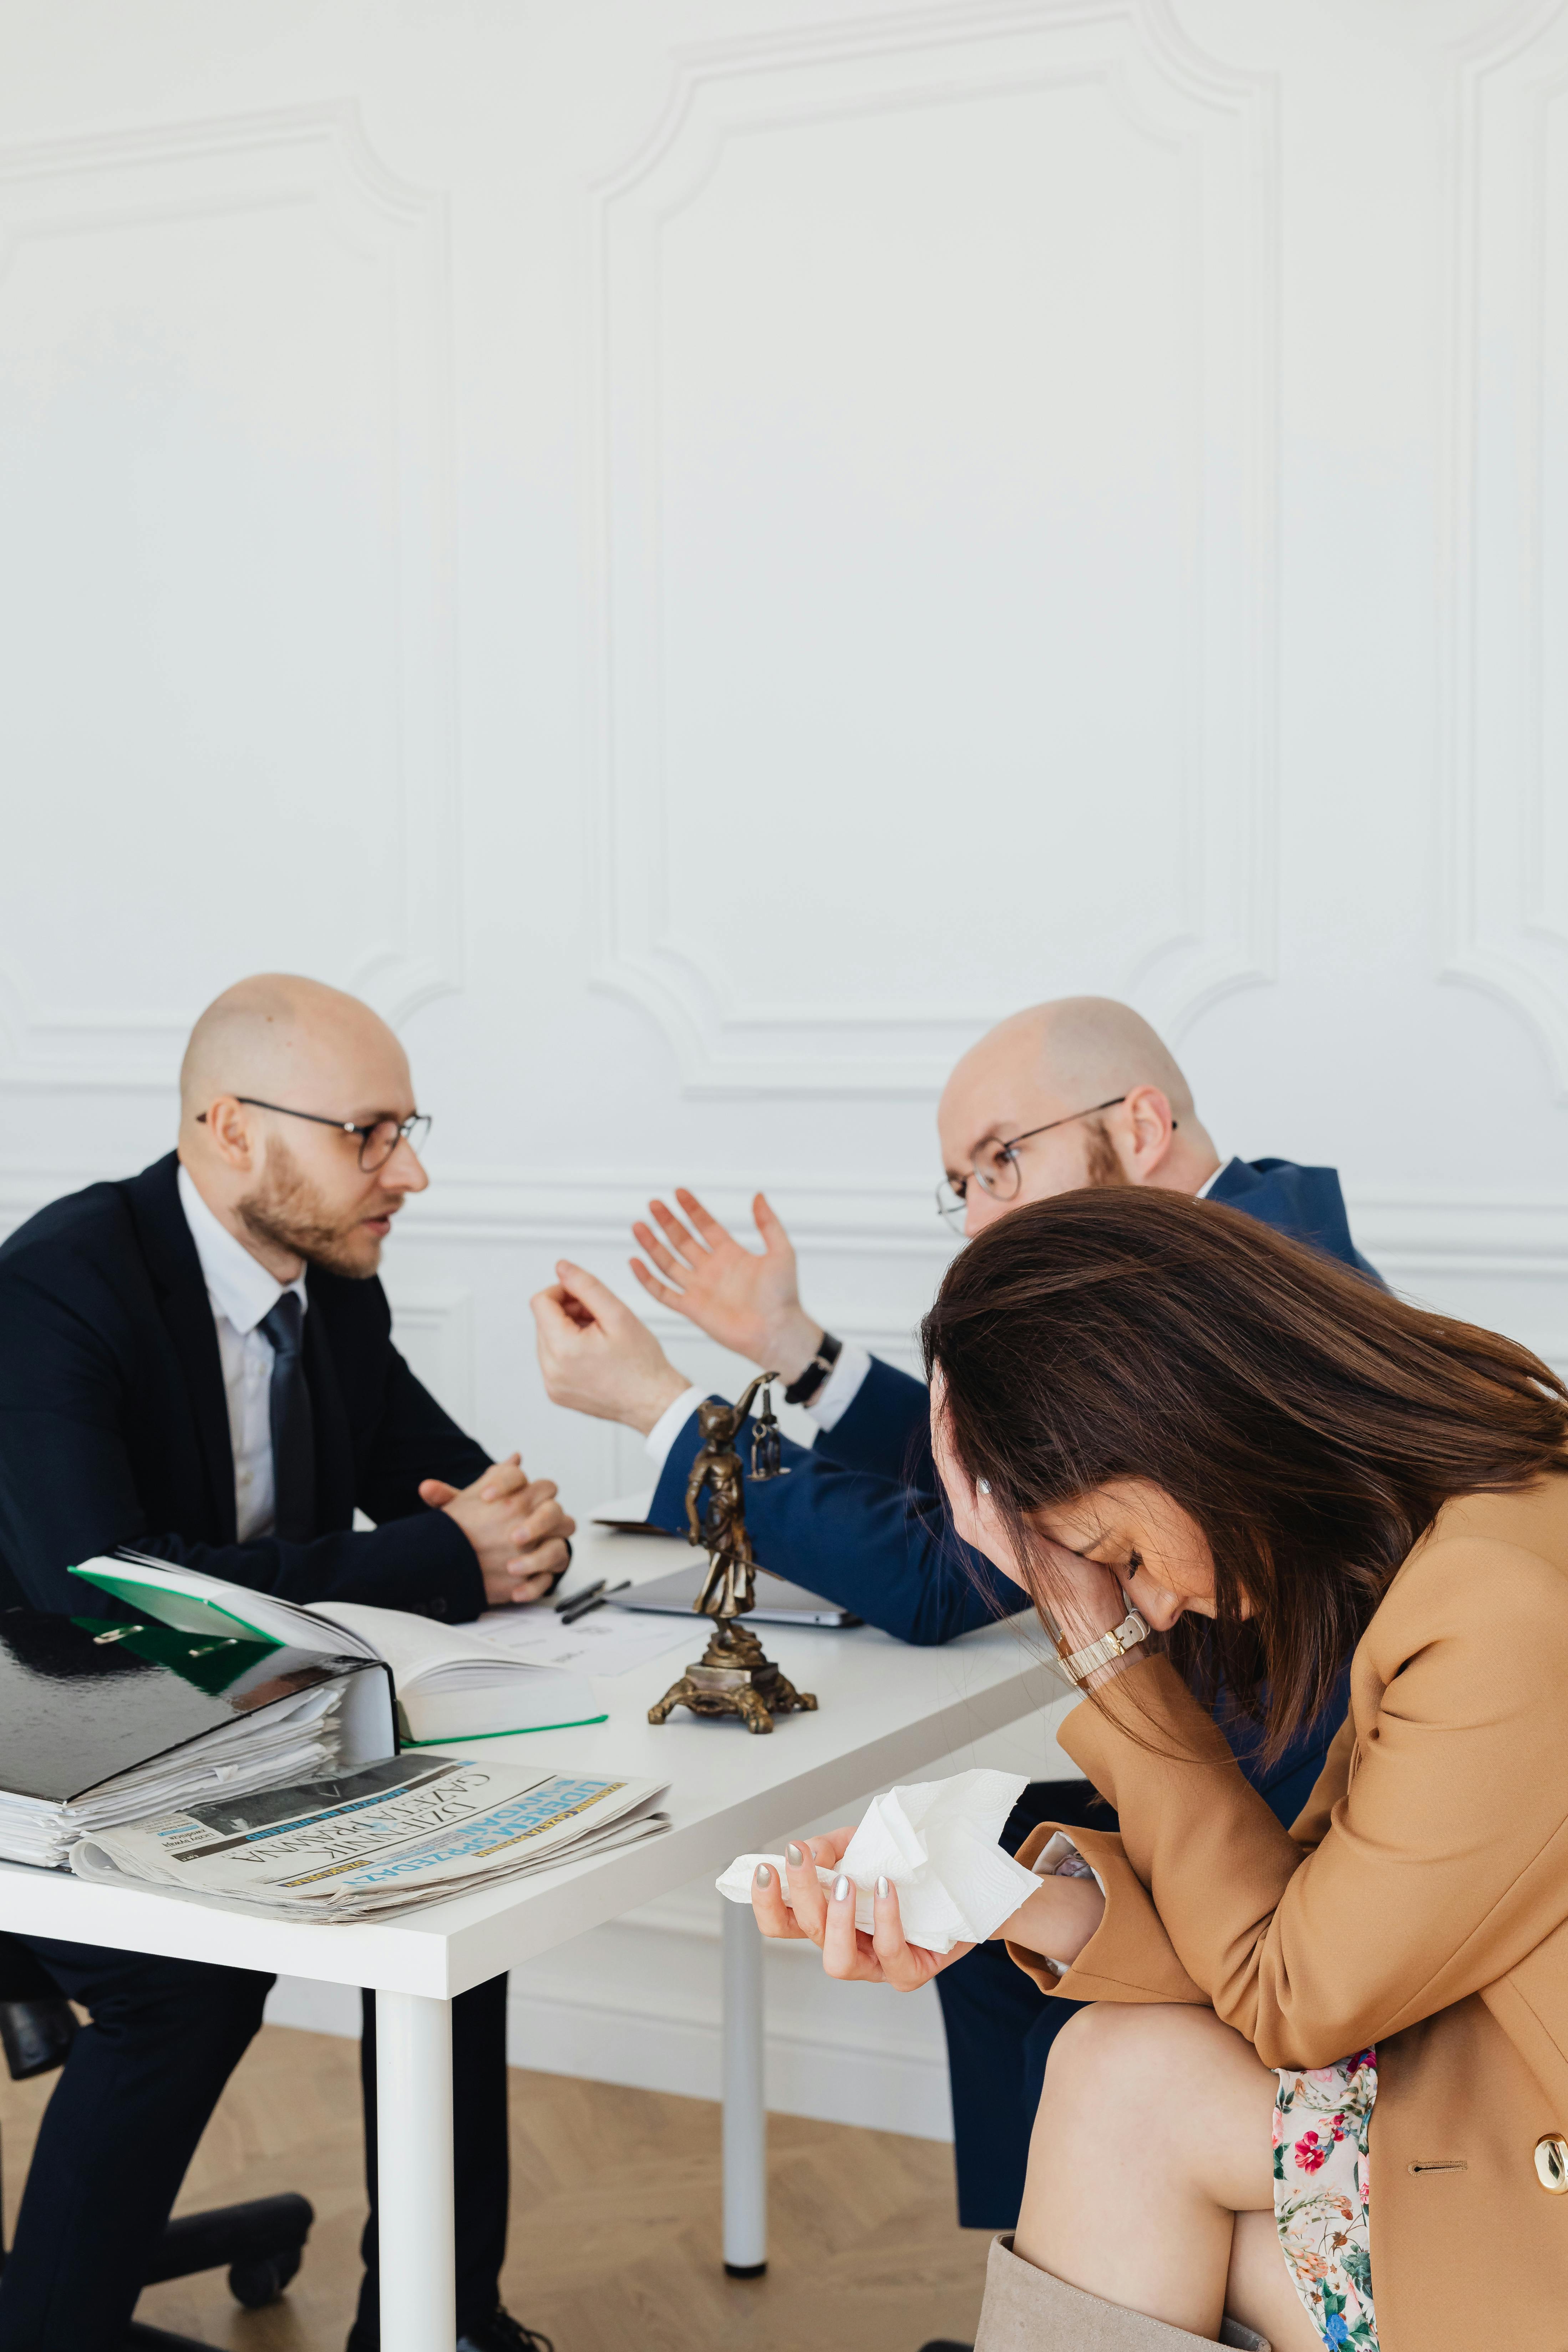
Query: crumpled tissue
{"points": [[936, 1843]]}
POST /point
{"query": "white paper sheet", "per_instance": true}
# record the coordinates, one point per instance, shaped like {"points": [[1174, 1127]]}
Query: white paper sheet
{"points": [[935, 1841], [606, 1642]]}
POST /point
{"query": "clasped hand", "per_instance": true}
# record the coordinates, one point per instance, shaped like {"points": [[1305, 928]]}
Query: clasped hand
{"points": [[518, 1529]]}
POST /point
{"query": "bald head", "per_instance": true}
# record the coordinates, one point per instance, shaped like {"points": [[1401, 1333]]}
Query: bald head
{"points": [[1087, 1048], [1053, 1066], [266, 1032]]}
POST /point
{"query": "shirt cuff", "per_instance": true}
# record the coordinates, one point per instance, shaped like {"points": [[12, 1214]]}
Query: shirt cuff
{"points": [[1059, 1858], [669, 1424], [842, 1386]]}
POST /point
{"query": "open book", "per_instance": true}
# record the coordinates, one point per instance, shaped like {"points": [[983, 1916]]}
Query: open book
{"points": [[450, 1683]]}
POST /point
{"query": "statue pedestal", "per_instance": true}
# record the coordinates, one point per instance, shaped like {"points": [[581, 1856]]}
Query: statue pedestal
{"points": [[734, 1676]]}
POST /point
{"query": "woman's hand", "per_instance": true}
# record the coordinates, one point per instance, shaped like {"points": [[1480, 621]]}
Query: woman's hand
{"points": [[1057, 1920], [828, 1920]]}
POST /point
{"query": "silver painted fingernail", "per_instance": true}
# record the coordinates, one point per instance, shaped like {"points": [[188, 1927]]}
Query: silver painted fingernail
{"points": [[793, 1856], [881, 1886], [840, 1890], [764, 1876]]}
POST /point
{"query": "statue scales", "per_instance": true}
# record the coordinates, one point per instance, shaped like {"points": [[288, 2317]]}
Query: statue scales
{"points": [[733, 1676]]}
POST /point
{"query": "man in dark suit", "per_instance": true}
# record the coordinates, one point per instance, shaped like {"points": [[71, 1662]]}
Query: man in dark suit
{"points": [[198, 1362], [1077, 1092]]}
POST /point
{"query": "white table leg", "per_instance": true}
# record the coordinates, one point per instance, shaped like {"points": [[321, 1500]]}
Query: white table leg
{"points": [[746, 2109], [414, 2173]]}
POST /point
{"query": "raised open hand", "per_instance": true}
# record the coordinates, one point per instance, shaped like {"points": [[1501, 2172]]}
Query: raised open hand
{"points": [[746, 1299]]}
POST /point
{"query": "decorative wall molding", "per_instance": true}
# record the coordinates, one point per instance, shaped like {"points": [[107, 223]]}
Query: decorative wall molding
{"points": [[166, 177], [1464, 1230], [877, 1218], [1504, 717], [1214, 929], [1486, 1230]]}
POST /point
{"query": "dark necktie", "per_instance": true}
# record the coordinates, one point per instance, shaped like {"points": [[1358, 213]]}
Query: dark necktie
{"points": [[293, 1438]]}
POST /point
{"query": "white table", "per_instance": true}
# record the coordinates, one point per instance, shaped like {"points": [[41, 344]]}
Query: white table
{"points": [[886, 1710]]}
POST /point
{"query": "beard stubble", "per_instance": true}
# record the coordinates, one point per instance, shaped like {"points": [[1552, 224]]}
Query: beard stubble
{"points": [[290, 1211]]}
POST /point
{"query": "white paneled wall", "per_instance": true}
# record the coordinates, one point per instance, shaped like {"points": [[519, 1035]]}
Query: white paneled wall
{"points": [[698, 551]]}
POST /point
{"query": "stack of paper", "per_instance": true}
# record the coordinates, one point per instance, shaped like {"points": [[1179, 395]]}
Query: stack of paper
{"points": [[297, 1740], [412, 1830]]}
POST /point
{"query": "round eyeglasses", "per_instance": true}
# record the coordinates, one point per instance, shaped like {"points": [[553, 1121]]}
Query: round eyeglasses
{"points": [[377, 1143], [997, 1169]]}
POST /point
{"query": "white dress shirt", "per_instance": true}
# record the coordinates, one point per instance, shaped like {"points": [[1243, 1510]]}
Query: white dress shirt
{"points": [[240, 1291]]}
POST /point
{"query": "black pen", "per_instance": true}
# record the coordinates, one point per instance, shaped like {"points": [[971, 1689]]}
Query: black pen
{"points": [[586, 1602], [586, 1594]]}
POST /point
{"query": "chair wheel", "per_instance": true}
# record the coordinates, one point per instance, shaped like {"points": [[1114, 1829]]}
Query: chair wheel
{"points": [[256, 2283]]}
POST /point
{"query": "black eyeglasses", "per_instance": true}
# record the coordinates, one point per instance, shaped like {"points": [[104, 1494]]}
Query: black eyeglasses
{"points": [[998, 1172], [377, 1143]]}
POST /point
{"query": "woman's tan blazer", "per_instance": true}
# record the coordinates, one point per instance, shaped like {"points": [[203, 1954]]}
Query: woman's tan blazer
{"points": [[1419, 1903]]}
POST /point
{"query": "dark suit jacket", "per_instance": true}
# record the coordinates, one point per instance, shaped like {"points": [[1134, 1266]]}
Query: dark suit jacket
{"points": [[860, 1518], [114, 1424]]}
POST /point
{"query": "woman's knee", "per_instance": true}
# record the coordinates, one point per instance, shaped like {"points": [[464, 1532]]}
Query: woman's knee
{"points": [[1116, 2056]]}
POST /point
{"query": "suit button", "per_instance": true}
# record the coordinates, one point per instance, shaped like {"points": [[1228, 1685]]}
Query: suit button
{"points": [[438, 1609], [1552, 2163]]}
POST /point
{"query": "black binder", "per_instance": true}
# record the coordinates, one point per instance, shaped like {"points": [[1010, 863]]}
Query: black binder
{"points": [[82, 1699]]}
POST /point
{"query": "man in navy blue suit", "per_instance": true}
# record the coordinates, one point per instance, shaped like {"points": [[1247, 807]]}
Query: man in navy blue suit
{"points": [[1079, 1092]]}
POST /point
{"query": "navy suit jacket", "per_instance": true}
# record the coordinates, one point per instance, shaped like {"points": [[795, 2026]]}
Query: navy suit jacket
{"points": [[114, 1421], [860, 1518]]}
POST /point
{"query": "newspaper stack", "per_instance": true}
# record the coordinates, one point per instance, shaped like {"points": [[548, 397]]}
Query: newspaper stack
{"points": [[415, 1829]]}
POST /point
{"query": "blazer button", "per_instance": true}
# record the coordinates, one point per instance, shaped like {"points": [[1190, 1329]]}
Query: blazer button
{"points": [[1552, 2163]]}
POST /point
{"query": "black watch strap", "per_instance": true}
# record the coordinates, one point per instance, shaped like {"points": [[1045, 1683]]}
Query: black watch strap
{"points": [[802, 1390]]}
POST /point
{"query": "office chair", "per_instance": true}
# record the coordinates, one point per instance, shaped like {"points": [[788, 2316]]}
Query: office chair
{"points": [[261, 2241]]}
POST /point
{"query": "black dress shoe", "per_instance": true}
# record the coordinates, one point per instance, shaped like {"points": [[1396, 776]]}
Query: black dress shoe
{"points": [[945, 2344], [501, 2333]]}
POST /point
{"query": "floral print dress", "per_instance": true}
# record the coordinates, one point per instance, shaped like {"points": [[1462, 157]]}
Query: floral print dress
{"points": [[1322, 2180]]}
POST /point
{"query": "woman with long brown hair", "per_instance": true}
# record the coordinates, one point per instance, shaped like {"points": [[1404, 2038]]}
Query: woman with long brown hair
{"points": [[1322, 2095]]}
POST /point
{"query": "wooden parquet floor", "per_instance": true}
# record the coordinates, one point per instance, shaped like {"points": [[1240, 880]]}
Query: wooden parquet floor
{"points": [[614, 2231]]}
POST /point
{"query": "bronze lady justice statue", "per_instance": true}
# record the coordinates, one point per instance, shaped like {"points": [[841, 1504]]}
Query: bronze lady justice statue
{"points": [[732, 1676]]}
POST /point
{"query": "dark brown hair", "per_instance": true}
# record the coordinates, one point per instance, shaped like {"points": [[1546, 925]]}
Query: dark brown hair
{"points": [[1313, 1424]]}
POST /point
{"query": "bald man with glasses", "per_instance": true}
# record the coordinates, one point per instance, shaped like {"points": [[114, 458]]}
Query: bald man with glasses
{"points": [[1077, 1092], [197, 1361]]}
